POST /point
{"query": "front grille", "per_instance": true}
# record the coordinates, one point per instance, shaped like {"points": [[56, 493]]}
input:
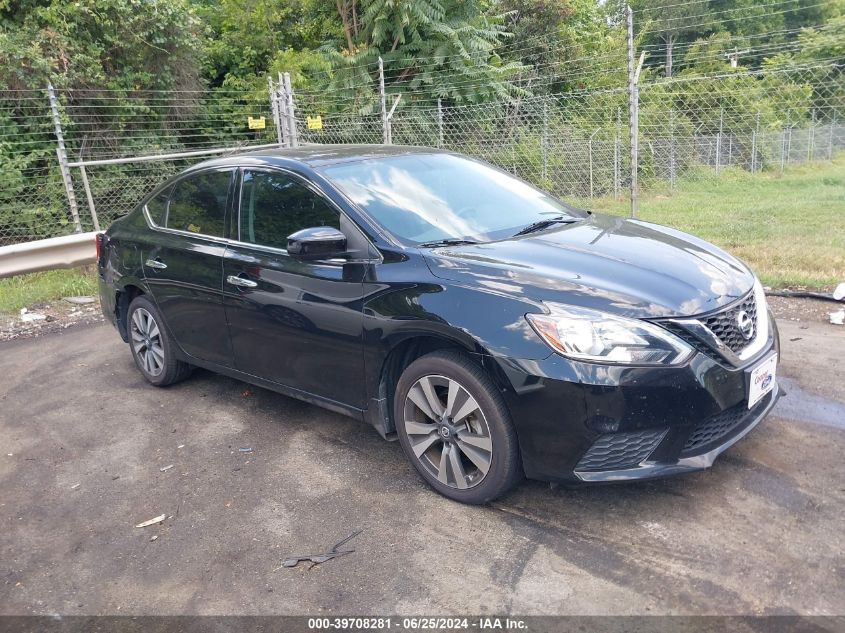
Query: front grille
{"points": [[725, 326], [719, 426], [617, 451]]}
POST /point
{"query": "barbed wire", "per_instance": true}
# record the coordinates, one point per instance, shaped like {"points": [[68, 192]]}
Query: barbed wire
{"points": [[568, 132]]}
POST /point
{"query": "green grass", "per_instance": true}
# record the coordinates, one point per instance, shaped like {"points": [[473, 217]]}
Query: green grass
{"points": [[790, 229], [26, 291]]}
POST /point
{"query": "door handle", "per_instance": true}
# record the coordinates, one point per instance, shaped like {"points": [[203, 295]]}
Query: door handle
{"points": [[241, 282], [154, 263]]}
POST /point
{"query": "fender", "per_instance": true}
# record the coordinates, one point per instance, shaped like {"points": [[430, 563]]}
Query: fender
{"points": [[440, 314]]}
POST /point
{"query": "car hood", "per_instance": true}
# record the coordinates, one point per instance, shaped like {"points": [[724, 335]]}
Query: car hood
{"points": [[626, 267]]}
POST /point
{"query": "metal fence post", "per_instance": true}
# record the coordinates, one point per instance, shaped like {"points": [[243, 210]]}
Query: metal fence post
{"points": [[811, 136], [544, 140], [274, 108], [830, 137], [783, 151], [61, 152], [291, 108], [719, 138], [590, 149], [383, 99], [672, 147], [633, 106], [754, 134], [90, 197], [617, 168], [788, 142], [282, 108], [439, 122]]}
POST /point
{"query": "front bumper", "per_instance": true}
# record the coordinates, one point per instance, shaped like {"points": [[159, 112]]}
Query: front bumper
{"points": [[655, 465], [584, 422]]}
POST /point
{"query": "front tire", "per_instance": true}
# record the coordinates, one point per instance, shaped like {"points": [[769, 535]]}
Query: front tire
{"points": [[151, 345], [455, 428]]}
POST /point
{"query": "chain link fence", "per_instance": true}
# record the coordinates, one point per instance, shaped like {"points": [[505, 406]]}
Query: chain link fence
{"points": [[575, 144], [118, 146]]}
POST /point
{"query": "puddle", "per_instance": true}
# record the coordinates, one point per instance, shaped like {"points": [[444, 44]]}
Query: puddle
{"points": [[807, 407]]}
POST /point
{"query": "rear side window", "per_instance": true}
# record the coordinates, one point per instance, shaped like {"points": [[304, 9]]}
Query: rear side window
{"points": [[157, 207], [198, 204], [275, 205]]}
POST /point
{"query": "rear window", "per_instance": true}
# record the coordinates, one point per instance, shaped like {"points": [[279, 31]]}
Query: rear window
{"points": [[198, 204], [157, 207]]}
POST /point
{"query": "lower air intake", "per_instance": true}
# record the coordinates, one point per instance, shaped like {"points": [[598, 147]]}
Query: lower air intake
{"points": [[617, 451]]}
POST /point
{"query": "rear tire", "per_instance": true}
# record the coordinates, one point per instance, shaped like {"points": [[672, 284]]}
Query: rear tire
{"points": [[151, 345], [455, 428]]}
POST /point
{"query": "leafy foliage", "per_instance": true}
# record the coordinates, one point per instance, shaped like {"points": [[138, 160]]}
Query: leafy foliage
{"points": [[131, 72]]}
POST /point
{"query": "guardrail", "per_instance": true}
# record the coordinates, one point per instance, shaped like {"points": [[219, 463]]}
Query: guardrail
{"points": [[66, 251]]}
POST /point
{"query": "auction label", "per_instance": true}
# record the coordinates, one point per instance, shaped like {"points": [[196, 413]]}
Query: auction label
{"points": [[417, 624]]}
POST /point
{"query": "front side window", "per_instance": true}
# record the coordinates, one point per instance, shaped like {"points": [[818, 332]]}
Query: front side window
{"points": [[198, 203], [428, 197], [275, 205]]}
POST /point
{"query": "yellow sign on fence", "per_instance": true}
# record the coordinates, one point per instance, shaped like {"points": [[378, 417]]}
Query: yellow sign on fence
{"points": [[256, 124], [314, 122]]}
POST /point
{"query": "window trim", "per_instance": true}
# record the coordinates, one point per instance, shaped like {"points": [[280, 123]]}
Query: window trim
{"points": [[233, 169], [316, 191]]}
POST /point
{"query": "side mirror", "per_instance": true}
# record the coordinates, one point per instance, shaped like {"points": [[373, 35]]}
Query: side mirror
{"points": [[322, 242]]}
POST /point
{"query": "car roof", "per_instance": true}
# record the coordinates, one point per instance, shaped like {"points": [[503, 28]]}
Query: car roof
{"points": [[315, 155]]}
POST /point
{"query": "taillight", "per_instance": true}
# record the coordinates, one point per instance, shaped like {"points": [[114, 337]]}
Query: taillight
{"points": [[100, 242]]}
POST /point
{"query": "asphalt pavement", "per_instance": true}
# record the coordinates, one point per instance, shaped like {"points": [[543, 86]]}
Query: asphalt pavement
{"points": [[246, 478]]}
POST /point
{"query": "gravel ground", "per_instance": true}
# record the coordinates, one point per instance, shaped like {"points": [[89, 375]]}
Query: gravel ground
{"points": [[50, 317]]}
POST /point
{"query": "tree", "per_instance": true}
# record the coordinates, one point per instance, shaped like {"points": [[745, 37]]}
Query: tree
{"points": [[669, 21], [115, 44], [244, 36], [431, 49], [558, 41]]}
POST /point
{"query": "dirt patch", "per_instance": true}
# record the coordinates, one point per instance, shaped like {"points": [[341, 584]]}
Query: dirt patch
{"points": [[48, 317], [803, 310]]}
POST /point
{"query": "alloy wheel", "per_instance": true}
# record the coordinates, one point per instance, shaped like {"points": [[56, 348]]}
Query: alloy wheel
{"points": [[146, 341], [448, 432]]}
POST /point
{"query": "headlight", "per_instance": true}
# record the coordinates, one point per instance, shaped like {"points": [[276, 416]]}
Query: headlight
{"points": [[595, 336]]}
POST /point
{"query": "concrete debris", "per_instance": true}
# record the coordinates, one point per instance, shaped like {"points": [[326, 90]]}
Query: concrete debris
{"points": [[29, 317], [79, 300], [838, 317], [839, 292], [166, 468]]}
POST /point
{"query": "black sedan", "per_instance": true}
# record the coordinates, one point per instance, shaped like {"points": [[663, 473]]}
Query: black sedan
{"points": [[492, 329]]}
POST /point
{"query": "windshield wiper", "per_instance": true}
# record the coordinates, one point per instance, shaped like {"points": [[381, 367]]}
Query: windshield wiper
{"points": [[543, 224], [446, 242]]}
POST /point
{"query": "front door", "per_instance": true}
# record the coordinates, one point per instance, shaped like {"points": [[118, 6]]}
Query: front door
{"points": [[183, 263], [297, 323]]}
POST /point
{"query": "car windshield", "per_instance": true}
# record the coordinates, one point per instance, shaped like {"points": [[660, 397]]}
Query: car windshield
{"points": [[429, 198]]}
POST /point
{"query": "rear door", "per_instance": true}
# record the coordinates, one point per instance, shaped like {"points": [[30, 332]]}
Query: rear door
{"points": [[294, 322], [183, 265]]}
